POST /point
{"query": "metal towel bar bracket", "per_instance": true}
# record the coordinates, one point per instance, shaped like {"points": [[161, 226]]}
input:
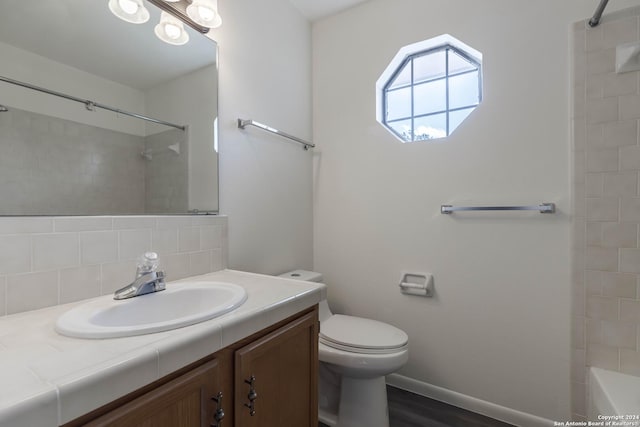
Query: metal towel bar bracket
{"points": [[242, 123], [546, 208]]}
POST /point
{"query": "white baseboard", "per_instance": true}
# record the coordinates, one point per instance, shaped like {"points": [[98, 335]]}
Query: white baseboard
{"points": [[469, 403]]}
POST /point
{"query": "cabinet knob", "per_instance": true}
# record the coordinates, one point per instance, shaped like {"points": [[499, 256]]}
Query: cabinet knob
{"points": [[252, 396], [218, 416]]}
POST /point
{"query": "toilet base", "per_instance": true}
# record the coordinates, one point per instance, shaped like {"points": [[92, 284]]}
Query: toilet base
{"points": [[363, 403]]}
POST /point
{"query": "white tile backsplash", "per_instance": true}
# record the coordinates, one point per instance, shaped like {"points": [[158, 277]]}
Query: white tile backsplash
{"points": [[132, 243], [55, 251], [164, 240], [32, 291], [98, 247], [80, 283], [93, 223], [56, 260], [188, 239], [15, 254]]}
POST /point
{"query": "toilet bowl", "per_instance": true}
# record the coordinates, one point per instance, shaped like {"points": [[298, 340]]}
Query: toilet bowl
{"points": [[355, 355]]}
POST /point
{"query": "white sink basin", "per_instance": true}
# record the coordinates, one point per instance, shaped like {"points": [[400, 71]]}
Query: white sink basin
{"points": [[181, 304]]}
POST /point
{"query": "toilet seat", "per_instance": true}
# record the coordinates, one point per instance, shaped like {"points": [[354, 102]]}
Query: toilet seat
{"points": [[359, 335]]}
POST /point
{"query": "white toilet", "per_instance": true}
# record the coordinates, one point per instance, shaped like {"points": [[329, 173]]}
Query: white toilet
{"points": [[355, 356]]}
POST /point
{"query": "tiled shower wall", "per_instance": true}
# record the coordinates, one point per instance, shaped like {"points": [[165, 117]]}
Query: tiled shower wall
{"points": [[606, 166], [46, 261], [166, 173], [56, 166]]}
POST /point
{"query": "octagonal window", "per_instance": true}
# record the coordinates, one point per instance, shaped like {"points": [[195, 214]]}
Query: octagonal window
{"points": [[429, 89]]}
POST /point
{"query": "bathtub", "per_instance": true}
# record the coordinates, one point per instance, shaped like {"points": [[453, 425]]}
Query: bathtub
{"points": [[614, 398]]}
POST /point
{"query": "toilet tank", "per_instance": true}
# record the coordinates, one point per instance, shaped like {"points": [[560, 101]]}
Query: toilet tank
{"points": [[312, 276], [307, 276]]}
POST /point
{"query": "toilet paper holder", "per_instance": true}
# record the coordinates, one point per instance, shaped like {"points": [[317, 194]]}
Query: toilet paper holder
{"points": [[417, 284]]}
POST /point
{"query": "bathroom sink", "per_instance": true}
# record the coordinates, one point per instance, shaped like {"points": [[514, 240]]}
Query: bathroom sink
{"points": [[181, 304]]}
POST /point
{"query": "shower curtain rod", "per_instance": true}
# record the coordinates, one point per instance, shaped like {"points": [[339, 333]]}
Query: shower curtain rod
{"points": [[595, 20], [90, 105]]}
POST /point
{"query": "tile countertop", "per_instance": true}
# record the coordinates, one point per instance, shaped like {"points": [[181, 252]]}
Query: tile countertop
{"points": [[47, 379]]}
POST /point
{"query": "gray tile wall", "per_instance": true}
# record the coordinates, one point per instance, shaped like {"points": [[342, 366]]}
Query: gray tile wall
{"points": [[54, 166], [606, 169], [166, 173], [46, 261]]}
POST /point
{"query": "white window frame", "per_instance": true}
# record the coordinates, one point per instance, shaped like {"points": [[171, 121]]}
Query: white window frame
{"points": [[406, 54]]}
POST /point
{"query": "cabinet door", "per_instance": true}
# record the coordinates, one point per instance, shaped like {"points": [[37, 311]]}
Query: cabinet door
{"points": [[285, 367], [183, 402]]}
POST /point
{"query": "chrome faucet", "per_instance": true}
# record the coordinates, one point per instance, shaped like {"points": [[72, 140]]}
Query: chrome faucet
{"points": [[148, 279]]}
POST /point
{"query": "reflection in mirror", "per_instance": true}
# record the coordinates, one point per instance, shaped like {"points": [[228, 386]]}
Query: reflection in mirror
{"points": [[62, 157]]}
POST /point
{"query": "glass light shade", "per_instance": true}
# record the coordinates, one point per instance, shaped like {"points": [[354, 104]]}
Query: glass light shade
{"points": [[171, 30], [129, 10], [205, 13]]}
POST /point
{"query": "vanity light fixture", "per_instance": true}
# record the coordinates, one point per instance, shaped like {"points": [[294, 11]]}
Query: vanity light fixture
{"points": [[171, 30], [201, 15], [205, 13], [132, 11]]}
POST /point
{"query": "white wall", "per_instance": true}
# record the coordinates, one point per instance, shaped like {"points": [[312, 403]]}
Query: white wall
{"points": [[265, 181], [498, 328], [191, 100]]}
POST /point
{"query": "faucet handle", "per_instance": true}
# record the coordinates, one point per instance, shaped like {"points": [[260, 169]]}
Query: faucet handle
{"points": [[147, 263], [160, 285]]}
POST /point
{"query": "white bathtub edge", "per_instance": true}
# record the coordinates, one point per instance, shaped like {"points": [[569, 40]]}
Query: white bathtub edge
{"points": [[612, 393]]}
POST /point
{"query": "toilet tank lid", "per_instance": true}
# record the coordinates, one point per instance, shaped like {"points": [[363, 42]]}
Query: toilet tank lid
{"points": [[308, 276]]}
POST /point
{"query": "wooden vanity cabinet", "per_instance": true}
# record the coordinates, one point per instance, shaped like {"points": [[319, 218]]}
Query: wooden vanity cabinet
{"points": [[282, 360], [182, 402], [276, 381]]}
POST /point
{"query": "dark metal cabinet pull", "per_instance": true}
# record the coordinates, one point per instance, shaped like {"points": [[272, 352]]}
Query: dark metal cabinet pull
{"points": [[252, 396], [219, 414]]}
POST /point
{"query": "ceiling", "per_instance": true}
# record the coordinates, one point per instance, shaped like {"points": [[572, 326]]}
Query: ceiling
{"points": [[318, 9]]}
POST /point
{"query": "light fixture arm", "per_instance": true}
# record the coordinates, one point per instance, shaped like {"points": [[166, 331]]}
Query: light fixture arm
{"points": [[179, 10]]}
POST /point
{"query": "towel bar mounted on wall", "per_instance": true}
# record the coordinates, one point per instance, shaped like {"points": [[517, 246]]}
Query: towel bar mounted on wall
{"points": [[89, 105], [242, 123], [546, 208]]}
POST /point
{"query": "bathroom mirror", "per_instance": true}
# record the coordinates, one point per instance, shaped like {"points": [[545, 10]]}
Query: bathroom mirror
{"points": [[63, 157]]}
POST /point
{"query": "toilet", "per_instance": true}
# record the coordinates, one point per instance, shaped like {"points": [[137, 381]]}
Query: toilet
{"points": [[355, 355]]}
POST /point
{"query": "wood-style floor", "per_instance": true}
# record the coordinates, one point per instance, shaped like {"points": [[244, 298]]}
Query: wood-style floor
{"points": [[411, 410]]}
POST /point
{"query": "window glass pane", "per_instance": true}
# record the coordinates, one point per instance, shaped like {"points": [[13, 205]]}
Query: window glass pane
{"points": [[430, 93], [399, 103], [464, 90], [430, 97], [402, 128], [457, 117], [430, 66], [431, 127], [403, 78], [458, 64]]}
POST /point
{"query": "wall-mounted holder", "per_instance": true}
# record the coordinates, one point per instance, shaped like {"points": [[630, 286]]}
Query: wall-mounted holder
{"points": [[417, 284], [628, 57]]}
